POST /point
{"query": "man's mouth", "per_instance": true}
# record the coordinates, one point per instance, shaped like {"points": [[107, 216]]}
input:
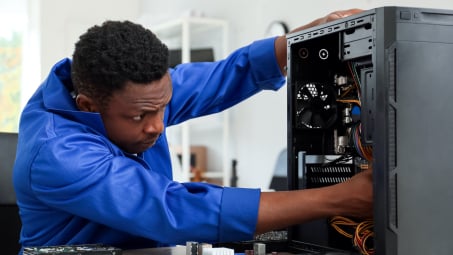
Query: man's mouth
{"points": [[149, 142]]}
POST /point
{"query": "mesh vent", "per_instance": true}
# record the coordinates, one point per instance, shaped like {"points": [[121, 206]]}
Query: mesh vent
{"points": [[392, 208], [392, 75], [391, 138], [319, 175], [392, 143]]}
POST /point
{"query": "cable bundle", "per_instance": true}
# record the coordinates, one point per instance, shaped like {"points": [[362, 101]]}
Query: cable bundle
{"points": [[361, 233], [364, 151]]}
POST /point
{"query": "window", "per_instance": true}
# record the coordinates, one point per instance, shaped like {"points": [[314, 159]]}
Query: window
{"points": [[13, 31]]}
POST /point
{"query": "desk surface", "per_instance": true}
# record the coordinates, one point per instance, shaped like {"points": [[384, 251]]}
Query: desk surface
{"points": [[178, 250], [181, 250]]}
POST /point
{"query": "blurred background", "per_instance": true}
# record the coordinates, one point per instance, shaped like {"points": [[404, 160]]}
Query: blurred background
{"points": [[246, 141]]}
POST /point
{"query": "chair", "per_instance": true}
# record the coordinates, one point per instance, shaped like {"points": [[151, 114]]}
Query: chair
{"points": [[10, 223], [279, 180]]}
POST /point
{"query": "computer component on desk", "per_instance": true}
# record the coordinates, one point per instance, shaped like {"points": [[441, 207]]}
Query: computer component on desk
{"points": [[82, 249]]}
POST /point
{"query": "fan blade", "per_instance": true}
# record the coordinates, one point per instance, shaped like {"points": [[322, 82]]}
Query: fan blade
{"points": [[318, 121], [305, 117], [316, 106]]}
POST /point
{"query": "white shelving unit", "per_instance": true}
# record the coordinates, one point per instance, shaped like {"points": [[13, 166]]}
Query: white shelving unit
{"points": [[188, 33]]}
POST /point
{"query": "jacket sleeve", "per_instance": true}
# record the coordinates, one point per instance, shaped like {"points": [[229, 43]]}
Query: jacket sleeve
{"points": [[208, 87], [79, 174]]}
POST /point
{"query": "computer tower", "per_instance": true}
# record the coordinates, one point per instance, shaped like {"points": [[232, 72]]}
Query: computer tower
{"points": [[375, 90]]}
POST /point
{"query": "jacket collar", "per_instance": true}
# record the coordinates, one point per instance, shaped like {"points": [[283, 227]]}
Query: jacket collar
{"points": [[57, 97]]}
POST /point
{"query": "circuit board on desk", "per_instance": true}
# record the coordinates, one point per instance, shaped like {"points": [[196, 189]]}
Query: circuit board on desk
{"points": [[82, 249]]}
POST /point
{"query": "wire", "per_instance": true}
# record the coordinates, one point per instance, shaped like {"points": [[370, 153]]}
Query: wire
{"points": [[361, 233], [364, 151], [355, 77], [346, 91], [355, 101], [342, 159], [338, 222]]}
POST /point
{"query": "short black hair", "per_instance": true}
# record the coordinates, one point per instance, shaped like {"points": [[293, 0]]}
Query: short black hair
{"points": [[108, 56]]}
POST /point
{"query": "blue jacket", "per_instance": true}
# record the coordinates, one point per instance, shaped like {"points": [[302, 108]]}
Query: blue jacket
{"points": [[74, 186]]}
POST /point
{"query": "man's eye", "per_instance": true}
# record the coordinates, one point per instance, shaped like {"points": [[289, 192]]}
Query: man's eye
{"points": [[137, 118]]}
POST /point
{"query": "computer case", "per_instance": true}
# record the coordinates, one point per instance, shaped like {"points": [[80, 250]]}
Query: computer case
{"points": [[375, 90]]}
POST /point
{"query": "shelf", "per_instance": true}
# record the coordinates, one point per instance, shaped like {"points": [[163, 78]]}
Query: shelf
{"points": [[189, 33]]}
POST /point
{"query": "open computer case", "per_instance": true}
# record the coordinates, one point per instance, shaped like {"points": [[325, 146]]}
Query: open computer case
{"points": [[375, 90]]}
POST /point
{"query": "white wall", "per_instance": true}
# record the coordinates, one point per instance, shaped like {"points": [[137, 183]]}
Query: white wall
{"points": [[61, 23], [258, 126]]}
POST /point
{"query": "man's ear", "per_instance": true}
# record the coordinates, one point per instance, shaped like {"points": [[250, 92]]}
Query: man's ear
{"points": [[85, 103]]}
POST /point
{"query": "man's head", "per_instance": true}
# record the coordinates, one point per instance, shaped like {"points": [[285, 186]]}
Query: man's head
{"points": [[119, 69]]}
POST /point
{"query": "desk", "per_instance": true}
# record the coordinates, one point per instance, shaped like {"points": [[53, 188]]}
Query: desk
{"points": [[178, 250], [181, 250]]}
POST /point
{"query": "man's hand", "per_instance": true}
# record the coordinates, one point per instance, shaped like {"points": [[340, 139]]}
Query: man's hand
{"points": [[357, 193], [329, 17], [280, 42], [285, 208]]}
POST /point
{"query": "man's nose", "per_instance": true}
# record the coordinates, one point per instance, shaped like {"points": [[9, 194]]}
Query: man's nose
{"points": [[153, 124]]}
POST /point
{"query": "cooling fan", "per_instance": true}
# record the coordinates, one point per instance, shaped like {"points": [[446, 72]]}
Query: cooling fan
{"points": [[316, 106]]}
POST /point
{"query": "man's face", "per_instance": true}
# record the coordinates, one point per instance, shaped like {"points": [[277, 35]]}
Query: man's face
{"points": [[134, 116]]}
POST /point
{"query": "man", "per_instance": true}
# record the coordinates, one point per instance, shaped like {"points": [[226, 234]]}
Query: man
{"points": [[93, 163]]}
